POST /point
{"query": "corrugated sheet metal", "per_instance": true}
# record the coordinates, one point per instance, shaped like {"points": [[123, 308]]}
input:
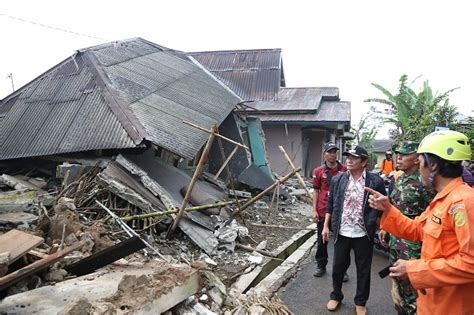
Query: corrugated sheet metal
{"points": [[327, 112], [81, 106], [293, 99], [252, 74], [382, 145]]}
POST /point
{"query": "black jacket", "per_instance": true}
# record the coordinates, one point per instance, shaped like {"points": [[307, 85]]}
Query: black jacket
{"points": [[335, 204]]}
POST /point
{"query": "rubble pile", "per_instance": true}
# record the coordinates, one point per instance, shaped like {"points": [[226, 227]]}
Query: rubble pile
{"points": [[93, 208]]}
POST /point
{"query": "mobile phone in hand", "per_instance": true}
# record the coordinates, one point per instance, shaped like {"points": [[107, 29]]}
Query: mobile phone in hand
{"points": [[385, 271]]}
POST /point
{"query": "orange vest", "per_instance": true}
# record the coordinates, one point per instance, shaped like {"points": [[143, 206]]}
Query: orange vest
{"points": [[446, 268], [387, 167]]}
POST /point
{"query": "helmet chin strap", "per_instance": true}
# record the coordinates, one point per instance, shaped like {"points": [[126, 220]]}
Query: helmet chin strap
{"points": [[430, 183]]}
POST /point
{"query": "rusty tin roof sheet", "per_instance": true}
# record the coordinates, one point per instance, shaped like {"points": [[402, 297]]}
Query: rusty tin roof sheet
{"points": [[252, 74], [114, 96]]}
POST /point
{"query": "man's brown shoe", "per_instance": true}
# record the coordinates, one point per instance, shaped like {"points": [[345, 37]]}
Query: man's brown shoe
{"points": [[361, 310], [333, 305]]}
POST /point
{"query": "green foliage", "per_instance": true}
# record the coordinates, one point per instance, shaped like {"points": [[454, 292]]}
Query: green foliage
{"points": [[414, 115], [364, 135]]}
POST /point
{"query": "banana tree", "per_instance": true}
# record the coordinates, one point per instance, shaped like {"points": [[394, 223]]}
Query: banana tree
{"points": [[414, 114]]}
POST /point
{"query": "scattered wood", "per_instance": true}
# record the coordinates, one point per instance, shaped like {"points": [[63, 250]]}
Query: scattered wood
{"points": [[218, 135], [300, 179], [37, 266], [197, 172], [240, 194], [18, 243], [226, 162], [260, 251], [263, 193], [129, 230]]}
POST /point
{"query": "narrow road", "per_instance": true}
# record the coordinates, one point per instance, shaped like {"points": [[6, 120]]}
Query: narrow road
{"points": [[308, 295]]}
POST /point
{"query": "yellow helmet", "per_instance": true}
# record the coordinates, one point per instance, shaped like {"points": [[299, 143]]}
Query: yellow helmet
{"points": [[447, 144]]}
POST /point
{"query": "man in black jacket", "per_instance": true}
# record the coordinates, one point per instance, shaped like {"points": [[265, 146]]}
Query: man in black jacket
{"points": [[353, 223]]}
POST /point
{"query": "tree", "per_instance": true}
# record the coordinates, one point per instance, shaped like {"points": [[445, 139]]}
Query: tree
{"points": [[414, 114]]}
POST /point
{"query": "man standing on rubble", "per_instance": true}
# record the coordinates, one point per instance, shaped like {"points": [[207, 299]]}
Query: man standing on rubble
{"points": [[353, 223], [321, 178], [411, 198]]}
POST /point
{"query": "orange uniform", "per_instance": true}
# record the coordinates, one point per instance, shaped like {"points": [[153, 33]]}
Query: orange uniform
{"points": [[446, 267]]}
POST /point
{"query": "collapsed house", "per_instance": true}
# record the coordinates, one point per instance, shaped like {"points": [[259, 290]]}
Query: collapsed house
{"points": [[106, 152], [98, 155], [300, 119]]}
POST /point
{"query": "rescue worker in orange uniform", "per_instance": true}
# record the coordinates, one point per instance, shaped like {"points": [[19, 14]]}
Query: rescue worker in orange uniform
{"points": [[444, 275]]}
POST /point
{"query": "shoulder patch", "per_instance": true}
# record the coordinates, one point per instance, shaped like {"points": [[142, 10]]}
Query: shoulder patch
{"points": [[455, 209], [459, 219]]}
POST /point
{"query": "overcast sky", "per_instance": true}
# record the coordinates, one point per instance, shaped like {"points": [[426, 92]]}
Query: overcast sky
{"points": [[347, 44]]}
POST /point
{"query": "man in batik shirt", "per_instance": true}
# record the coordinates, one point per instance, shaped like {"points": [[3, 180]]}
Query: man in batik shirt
{"points": [[411, 197]]}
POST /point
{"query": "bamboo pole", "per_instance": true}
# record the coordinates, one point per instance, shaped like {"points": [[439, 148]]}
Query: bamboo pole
{"points": [[283, 227], [197, 172], [263, 193], [220, 136], [297, 174], [226, 162], [158, 213]]}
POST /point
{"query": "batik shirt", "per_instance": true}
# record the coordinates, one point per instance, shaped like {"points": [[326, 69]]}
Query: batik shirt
{"points": [[352, 219]]}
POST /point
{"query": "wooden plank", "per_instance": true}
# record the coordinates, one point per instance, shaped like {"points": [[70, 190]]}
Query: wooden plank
{"points": [[18, 243], [106, 256], [37, 266]]}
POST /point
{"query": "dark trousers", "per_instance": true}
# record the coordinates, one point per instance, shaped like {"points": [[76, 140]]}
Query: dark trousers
{"points": [[321, 248], [363, 249]]}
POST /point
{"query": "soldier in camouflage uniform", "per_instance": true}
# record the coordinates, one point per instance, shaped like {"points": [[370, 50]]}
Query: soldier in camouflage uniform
{"points": [[411, 197]]}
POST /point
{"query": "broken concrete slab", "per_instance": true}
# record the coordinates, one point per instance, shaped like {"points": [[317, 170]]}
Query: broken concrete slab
{"points": [[17, 218], [125, 192], [159, 178], [17, 183], [17, 201], [169, 177], [121, 288]]}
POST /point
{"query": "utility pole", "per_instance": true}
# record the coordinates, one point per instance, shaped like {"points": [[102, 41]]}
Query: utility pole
{"points": [[10, 75]]}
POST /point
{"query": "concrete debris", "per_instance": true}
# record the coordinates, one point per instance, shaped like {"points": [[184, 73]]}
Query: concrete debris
{"points": [[255, 259], [63, 209], [17, 201], [15, 219], [16, 183]]}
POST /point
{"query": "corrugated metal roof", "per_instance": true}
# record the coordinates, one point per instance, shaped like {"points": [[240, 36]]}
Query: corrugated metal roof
{"points": [[382, 145], [252, 74], [328, 112], [114, 96]]}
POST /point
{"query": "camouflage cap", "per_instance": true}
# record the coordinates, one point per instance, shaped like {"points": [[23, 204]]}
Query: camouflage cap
{"points": [[407, 148]]}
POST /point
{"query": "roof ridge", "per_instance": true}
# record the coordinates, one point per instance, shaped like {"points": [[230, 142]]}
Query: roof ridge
{"points": [[235, 51], [127, 119]]}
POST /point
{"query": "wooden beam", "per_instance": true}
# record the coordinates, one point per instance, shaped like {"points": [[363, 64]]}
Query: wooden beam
{"points": [[301, 180], [105, 256], [37, 266], [18, 243], [220, 136], [263, 193], [226, 162]]}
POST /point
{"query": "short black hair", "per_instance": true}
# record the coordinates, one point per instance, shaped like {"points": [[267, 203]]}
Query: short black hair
{"points": [[448, 169]]}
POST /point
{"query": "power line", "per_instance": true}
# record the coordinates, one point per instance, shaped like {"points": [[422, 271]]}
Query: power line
{"points": [[52, 27]]}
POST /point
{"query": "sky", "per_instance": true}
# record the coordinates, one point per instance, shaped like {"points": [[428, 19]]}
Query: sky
{"points": [[346, 44]]}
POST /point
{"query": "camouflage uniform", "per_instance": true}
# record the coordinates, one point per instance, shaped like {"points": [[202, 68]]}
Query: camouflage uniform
{"points": [[411, 197]]}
